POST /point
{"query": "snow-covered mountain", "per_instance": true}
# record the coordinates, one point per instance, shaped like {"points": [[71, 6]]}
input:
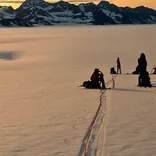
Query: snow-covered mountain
{"points": [[39, 12], [6, 12], [8, 18]]}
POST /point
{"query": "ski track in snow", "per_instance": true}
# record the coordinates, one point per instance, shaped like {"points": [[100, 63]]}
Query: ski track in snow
{"points": [[93, 142]]}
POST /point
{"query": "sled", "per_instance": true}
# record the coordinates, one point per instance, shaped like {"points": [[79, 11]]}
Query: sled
{"points": [[89, 85]]}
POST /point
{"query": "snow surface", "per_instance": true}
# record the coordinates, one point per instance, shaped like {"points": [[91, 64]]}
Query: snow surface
{"points": [[43, 112]]}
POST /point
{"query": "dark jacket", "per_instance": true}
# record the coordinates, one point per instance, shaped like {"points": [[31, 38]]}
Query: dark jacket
{"points": [[142, 63]]}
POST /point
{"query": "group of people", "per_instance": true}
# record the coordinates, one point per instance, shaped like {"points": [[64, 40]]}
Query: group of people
{"points": [[144, 79], [97, 78], [141, 69]]}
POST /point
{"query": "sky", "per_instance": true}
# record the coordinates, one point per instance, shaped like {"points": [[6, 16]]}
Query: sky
{"points": [[130, 3]]}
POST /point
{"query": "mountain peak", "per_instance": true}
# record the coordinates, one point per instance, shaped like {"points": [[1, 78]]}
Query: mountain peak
{"points": [[33, 1], [40, 12], [28, 3]]}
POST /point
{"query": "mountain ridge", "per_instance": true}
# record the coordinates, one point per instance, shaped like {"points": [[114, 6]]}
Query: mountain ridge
{"points": [[41, 13]]}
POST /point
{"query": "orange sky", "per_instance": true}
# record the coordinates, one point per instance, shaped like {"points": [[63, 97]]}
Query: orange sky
{"points": [[130, 3]]}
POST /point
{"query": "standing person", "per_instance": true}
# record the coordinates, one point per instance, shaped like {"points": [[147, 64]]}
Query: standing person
{"points": [[142, 63], [118, 65], [96, 78], [144, 79]]}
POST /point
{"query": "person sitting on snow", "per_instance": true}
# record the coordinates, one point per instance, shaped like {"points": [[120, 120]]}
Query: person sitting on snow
{"points": [[136, 71], [97, 77]]}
